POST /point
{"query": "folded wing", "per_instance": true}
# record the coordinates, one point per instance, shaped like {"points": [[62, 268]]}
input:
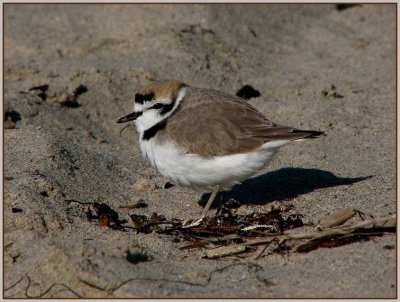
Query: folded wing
{"points": [[212, 124]]}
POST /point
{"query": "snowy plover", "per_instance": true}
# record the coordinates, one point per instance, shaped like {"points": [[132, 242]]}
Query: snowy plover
{"points": [[205, 139]]}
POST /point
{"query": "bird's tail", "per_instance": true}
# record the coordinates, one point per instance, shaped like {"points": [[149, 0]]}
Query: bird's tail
{"points": [[309, 133]]}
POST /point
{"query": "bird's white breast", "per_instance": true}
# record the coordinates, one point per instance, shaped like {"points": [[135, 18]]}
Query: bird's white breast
{"points": [[204, 173]]}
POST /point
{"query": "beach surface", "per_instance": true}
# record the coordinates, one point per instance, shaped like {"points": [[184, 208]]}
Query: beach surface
{"points": [[72, 70]]}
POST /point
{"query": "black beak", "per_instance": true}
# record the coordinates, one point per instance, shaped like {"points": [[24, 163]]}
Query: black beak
{"points": [[130, 117]]}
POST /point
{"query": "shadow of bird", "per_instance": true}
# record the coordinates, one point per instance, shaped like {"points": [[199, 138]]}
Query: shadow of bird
{"points": [[283, 184]]}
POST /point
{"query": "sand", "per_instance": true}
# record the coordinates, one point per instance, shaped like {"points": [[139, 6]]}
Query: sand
{"points": [[72, 70]]}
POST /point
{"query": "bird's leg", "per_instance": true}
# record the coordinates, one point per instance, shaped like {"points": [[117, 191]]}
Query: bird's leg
{"points": [[221, 204], [210, 201], [206, 209]]}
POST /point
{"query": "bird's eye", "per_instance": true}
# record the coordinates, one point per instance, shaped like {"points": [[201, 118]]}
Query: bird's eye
{"points": [[157, 106]]}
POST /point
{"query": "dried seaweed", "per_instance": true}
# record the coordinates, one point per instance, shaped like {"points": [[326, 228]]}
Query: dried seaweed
{"points": [[137, 205], [16, 210], [230, 233], [106, 216], [154, 222]]}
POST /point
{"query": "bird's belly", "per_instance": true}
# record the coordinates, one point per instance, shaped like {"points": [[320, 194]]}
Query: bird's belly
{"points": [[204, 173]]}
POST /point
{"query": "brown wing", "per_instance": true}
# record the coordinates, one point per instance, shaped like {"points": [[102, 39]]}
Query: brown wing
{"points": [[213, 124]]}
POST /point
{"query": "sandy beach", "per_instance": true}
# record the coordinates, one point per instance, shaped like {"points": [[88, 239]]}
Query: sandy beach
{"points": [[72, 70]]}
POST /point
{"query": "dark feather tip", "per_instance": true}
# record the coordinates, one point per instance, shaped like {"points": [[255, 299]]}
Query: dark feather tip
{"points": [[310, 133]]}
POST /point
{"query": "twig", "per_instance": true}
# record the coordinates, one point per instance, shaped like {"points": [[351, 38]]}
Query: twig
{"points": [[377, 223], [190, 283], [337, 218], [48, 290], [15, 284], [258, 255], [382, 224], [225, 251]]}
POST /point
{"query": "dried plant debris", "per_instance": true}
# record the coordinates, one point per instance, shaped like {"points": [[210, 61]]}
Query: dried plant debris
{"points": [[240, 235], [247, 92], [341, 235], [40, 91], [137, 205], [153, 223], [344, 6], [306, 242], [106, 216], [230, 233], [276, 220], [337, 218], [231, 204], [331, 93], [11, 118], [227, 227], [71, 99], [389, 247], [12, 115]]}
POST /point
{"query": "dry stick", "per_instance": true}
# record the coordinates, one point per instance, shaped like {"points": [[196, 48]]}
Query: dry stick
{"points": [[382, 222], [225, 251], [337, 218], [203, 242], [258, 256], [235, 249], [47, 290], [15, 284], [377, 223]]}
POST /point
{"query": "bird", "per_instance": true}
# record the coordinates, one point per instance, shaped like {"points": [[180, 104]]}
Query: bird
{"points": [[205, 139]]}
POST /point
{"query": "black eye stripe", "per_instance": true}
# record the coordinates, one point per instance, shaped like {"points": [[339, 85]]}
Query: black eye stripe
{"points": [[157, 106], [165, 108], [141, 98]]}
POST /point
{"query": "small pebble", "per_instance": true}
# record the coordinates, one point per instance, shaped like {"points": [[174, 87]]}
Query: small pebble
{"points": [[144, 185], [137, 254], [168, 185], [51, 94], [16, 210], [247, 92]]}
